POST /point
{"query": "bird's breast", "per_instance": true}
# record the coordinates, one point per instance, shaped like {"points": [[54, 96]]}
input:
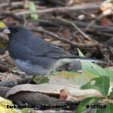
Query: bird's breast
{"points": [[29, 68]]}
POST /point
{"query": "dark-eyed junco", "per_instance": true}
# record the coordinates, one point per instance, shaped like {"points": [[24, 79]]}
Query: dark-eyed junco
{"points": [[34, 55]]}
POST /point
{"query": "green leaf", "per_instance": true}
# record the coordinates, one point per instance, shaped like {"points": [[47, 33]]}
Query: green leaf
{"points": [[80, 53], [108, 109], [111, 1], [97, 70], [2, 24], [85, 104], [44, 80], [75, 78], [32, 7], [111, 94], [26, 110], [88, 66], [101, 84], [5, 105]]}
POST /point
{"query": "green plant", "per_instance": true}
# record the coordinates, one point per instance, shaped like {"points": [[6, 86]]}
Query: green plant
{"points": [[100, 83]]}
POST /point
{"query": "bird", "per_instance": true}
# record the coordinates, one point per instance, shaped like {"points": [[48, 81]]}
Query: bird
{"points": [[33, 55]]}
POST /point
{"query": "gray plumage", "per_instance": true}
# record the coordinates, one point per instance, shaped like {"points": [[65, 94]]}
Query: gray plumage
{"points": [[34, 55]]}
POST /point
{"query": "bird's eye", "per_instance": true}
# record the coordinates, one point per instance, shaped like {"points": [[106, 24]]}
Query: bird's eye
{"points": [[15, 30]]}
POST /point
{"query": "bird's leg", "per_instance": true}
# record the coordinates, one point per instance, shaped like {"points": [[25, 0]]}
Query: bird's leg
{"points": [[31, 79]]}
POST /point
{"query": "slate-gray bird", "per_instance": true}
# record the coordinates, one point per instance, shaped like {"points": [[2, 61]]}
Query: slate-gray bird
{"points": [[34, 55]]}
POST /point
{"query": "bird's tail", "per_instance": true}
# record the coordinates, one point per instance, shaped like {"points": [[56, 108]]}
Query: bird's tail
{"points": [[91, 60], [74, 59], [63, 61]]}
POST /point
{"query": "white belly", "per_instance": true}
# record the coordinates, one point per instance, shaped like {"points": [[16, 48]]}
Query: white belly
{"points": [[26, 67]]}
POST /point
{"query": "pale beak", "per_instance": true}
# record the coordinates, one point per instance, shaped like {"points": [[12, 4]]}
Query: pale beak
{"points": [[7, 31]]}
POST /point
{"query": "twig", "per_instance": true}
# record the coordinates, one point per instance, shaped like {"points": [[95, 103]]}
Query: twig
{"points": [[13, 4], [81, 45], [98, 18], [97, 32], [94, 26], [12, 83], [4, 56], [60, 9], [80, 24], [12, 15], [75, 27], [93, 22], [25, 3]]}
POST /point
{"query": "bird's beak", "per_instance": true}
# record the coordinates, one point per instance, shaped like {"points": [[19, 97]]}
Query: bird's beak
{"points": [[7, 31]]}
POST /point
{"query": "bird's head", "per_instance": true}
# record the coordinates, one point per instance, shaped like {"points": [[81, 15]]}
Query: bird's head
{"points": [[15, 31]]}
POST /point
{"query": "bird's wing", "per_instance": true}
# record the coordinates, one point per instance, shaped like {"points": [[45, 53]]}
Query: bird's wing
{"points": [[42, 48], [40, 51]]}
